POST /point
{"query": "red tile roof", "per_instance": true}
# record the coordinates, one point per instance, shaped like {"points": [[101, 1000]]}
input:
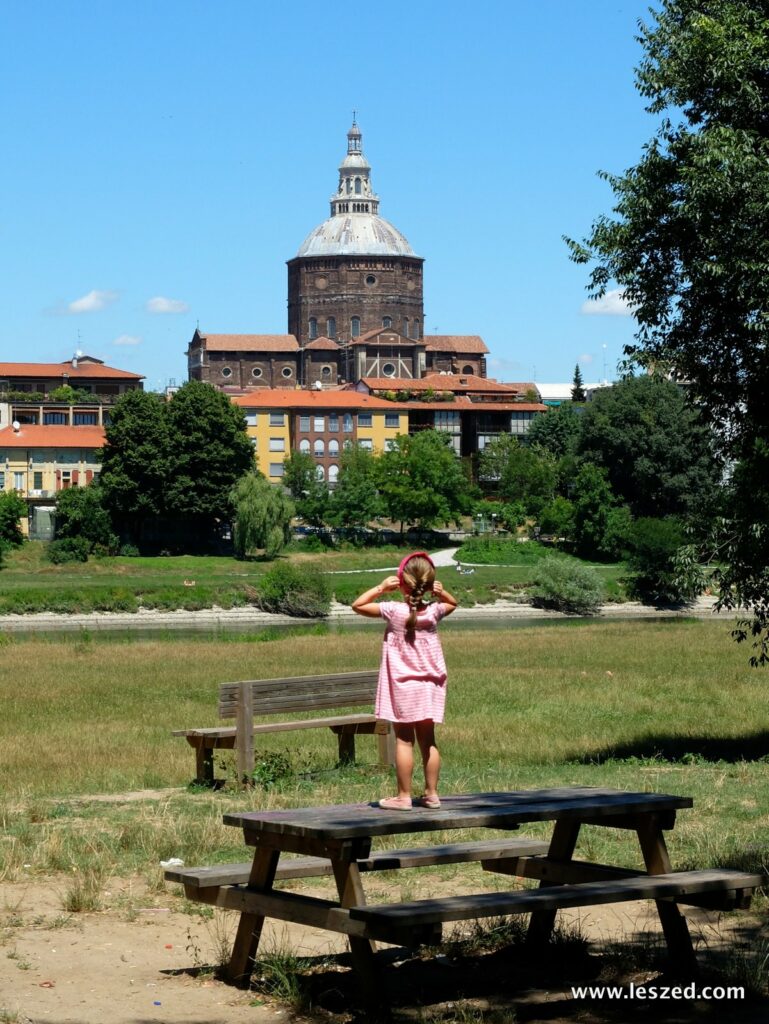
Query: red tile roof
{"points": [[465, 403], [34, 436], [296, 398], [84, 370], [466, 382], [469, 343], [323, 343], [250, 342]]}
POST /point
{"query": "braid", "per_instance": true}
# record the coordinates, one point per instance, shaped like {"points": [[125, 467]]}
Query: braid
{"points": [[419, 577]]}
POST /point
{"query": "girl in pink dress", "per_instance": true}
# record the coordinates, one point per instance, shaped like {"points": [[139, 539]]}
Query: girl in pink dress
{"points": [[411, 692]]}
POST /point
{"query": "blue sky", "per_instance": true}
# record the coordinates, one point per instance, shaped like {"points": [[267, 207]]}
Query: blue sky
{"points": [[163, 160]]}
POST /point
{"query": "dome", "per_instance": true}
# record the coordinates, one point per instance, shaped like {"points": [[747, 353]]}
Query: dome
{"points": [[355, 234]]}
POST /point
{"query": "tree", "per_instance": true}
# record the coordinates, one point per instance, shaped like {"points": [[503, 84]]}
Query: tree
{"points": [[657, 453], [600, 525], [12, 509], [688, 246], [80, 513], [421, 480], [356, 500], [310, 493], [263, 514], [524, 473], [578, 391], [556, 430]]}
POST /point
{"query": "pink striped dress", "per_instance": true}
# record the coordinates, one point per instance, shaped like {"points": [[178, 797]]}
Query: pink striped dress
{"points": [[412, 674]]}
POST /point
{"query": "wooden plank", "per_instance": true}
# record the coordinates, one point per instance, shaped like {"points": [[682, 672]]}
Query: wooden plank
{"points": [[556, 897], [251, 922], [244, 743], [336, 722], [214, 733], [480, 810], [380, 860], [301, 693]]}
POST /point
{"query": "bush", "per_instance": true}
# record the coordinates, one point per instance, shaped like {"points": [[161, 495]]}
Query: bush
{"points": [[129, 551], [494, 551], [293, 590], [567, 586], [666, 570], [69, 549]]}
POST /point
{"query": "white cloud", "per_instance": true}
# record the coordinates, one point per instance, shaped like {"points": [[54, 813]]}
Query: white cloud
{"points": [[613, 303], [585, 358], [160, 304], [127, 339], [93, 302]]}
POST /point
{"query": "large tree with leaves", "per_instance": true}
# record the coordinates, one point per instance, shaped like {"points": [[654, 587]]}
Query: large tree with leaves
{"points": [[263, 514], [688, 244], [355, 500]]}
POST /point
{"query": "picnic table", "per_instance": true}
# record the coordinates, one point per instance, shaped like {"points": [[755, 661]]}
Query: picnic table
{"points": [[338, 840]]}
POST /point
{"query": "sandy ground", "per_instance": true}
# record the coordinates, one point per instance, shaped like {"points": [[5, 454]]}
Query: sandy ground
{"points": [[140, 962]]}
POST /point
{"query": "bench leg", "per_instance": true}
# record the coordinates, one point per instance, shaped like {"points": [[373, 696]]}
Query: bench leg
{"points": [[204, 764], [250, 925], [561, 848], [386, 743], [674, 925], [346, 741]]}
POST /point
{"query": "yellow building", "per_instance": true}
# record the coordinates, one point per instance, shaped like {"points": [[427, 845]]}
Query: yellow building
{"points": [[283, 420]]}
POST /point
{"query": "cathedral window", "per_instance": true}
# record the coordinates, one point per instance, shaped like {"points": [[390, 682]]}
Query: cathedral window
{"points": [[370, 279], [355, 327], [325, 372], [405, 327], [226, 371], [331, 327], [468, 369], [287, 371], [387, 321], [417, 332], [256, 372], [357, 187], [313, 327], [388, 369]]}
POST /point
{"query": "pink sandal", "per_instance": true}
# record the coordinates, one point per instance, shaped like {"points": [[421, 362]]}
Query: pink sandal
{"points": [[431, 802], [396, 803]]}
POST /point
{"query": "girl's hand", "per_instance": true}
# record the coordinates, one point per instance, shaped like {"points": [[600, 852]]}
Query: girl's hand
{"points": [[391, 583], [437, 588]]}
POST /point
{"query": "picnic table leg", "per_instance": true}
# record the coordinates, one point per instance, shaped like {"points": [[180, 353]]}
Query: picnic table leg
{"points": [[250, 925], [351, 894], [674, 925], [561, 848]]}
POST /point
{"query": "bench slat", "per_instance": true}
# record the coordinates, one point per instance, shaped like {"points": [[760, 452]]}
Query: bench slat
{"points": [[302, 693], [556, 897], [380, 860]]}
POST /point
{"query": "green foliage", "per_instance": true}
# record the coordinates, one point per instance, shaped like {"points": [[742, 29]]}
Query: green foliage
{"points": [[311, 495], [68, 549], [578, 390], [81, 515], [666, 571], [422, 482], [522, 473], [489, 550], [294, 590], [270, 767], [12, 510], [356, 500], [653, 446], [512, 514], [66, 393], [557, 430], [688, 244], [557, 518], [263, 514], [600, 526], [566, 586]]}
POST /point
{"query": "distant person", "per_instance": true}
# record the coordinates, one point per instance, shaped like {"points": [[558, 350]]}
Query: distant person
{"points": [[411, 692]]}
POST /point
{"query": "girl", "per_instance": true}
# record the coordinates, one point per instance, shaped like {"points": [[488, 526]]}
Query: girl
{"points": [[412, 675]]}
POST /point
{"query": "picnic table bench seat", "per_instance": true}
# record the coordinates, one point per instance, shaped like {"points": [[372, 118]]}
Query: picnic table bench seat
{"points": [[245, 700]]}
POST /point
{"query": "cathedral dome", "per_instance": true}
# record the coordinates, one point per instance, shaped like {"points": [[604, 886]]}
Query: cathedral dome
{"points": [[355, 227], [355, 234]]}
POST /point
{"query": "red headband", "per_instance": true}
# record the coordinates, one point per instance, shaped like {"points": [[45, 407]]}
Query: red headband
{"points": [[407, 559]]}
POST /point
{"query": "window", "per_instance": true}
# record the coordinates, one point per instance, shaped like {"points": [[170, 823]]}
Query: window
{"points": [[251, 417], [37, 481], [277, 444], [82, 419], [319, 448], [417, 333], [388, 369], [319, 424], [256, 372], [364, 419], [277, 419], [18, 481], [387, 321], [355, 327], [304, 445], [331, 327], [405, 331], [392, 419], [333, 474], [333, 423], [468, 369], [304, 424], [347, 423], [276, 469], [313, 328], [226, 371], [357, 187], [333, 446], [370, 279], [320, 473], [390, 443], [2, 480], [325, 371], [366, 443], [287, 371], [54, 418], [446, 421]]}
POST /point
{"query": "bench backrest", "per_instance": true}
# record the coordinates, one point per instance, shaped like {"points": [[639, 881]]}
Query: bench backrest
{"points": [[298, 693]]}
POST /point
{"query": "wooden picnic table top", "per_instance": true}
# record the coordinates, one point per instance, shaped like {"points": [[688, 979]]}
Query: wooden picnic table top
{"points": [[503, 810]]}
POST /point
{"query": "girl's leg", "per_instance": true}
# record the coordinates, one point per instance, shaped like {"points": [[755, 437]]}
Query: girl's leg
{"points": [[404, 758], [431, 759]]}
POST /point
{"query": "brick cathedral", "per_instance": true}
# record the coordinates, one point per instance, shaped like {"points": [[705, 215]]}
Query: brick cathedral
{"points": [[355, 308]]}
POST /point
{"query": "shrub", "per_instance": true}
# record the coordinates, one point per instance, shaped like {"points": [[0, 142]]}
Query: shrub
{"points": [[68, 549], [129, 551], [567, 586], [294, 590], [12, 508], [666, 570], [495, 551]]}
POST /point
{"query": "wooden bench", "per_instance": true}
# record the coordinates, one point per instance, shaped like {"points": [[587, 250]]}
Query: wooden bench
{"points": [[293, 695], [195, 880]]}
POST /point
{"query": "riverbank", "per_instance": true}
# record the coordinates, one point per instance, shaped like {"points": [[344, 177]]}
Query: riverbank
{"points": [[252, 619]]}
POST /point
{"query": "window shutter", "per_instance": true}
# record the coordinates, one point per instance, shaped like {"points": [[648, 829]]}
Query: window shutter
{"points": [[75, 475]]}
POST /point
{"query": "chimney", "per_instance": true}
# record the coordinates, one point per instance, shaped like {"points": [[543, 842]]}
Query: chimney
{"points": [[74, 361]]}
